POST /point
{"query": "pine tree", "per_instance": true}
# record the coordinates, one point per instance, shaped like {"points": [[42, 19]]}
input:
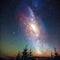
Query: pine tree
{"points": [[56, 54], [18, 56], [30, 53], [25, 54]]}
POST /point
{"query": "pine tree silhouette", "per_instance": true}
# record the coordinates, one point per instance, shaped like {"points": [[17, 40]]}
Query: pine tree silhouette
{"points": [[18, 56], [56, 57], [25, 54], [30, 53]]}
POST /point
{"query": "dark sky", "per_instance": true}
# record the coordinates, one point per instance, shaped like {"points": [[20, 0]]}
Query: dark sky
{"points": [[12, 38]]}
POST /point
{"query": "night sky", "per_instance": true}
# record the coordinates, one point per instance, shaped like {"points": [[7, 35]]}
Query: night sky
{"points": [[14, 35]]}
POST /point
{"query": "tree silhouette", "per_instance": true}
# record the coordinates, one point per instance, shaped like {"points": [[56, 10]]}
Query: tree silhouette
{"points": [[30, 53], [18, 56], [25, 54], [56, 57]]}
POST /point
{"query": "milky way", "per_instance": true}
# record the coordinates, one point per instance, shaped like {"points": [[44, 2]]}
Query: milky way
{"points": [[34, 30]]}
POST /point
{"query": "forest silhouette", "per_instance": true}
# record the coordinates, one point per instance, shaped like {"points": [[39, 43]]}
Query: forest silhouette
{"points": [[28, 56]]}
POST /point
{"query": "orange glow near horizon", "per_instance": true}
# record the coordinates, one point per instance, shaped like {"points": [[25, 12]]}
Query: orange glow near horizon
{"points": [[45, 54], [37, 54], [33, 54]]}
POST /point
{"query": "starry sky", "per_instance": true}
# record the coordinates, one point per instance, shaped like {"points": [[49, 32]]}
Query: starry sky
{"points": [[17, 30]]}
